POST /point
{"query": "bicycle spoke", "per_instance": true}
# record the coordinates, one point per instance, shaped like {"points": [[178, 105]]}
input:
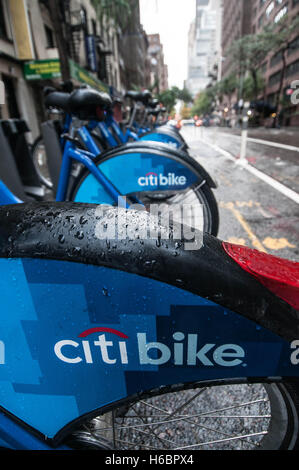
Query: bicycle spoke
{"points": [[246, 436], [177, 421], [263, 400]]}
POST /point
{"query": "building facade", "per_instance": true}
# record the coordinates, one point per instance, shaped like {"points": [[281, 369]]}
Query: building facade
{"points": [[133, 46], [32, 48], [236, 23], [266, 12], [204, 45], [157, 67], [243, 17]]}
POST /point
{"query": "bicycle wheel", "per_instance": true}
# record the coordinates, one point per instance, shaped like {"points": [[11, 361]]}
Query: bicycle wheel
{"points": [[223, 417], [39, 157], [198, 197]]}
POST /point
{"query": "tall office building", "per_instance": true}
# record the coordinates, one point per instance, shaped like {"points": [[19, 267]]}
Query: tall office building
{"points": [[204, 44]]}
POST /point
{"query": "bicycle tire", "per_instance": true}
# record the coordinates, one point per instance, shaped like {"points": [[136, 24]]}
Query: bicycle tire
{"points": [[277, 432], [203, 193]]}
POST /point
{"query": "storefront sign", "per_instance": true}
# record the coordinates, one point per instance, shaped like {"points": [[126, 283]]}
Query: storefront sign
{"points": [[42, 69], [50, 69], [80, 74]]}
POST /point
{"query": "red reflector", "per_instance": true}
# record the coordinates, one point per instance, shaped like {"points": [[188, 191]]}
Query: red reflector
{"points": [[100, 113], [279, 275]]}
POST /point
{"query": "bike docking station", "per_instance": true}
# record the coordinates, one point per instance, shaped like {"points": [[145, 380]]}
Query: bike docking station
{"points": [[126, 326]]}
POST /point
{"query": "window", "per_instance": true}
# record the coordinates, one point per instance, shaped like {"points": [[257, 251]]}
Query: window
{"points": [[269, 9], [10, 96], [276, 59], [263, 68], [275, 78], [294, 46], [261, 20], [272, 99], [3, 29], [293, 68], [49, 37], [281, 14]]}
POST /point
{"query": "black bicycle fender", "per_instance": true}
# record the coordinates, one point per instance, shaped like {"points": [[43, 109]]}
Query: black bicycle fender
{"points": [[35, 230]]}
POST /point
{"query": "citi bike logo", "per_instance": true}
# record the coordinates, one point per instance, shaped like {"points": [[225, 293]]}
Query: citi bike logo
{"points": [[155, 179], [184, 351]]}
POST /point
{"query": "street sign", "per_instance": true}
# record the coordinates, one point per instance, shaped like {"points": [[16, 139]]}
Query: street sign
{"points": [[80, 74], [42, 69], [91, 52], [50, 69]]}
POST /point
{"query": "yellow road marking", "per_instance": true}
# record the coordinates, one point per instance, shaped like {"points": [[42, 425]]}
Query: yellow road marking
{"points": [[237, 241], [247, 203], [254, 239], [277, 243], [268, 242]]}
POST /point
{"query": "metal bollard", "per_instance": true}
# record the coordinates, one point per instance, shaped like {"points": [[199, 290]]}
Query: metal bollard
{"points": [[244, 133]]}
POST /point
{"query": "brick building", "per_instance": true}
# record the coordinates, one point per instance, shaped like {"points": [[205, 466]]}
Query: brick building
{"points": [[236, 23], [29, 56], [242, 17], [263, 13], [158, 69]]}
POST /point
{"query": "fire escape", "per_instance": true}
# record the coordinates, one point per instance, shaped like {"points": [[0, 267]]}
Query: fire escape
{"points": [[76, 28]]}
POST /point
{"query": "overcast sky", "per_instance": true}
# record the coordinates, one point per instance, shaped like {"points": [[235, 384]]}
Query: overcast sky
{"points": [[171, 19]]}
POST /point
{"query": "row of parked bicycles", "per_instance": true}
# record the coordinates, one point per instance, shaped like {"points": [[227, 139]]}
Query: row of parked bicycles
{"points": [[116, 333]]}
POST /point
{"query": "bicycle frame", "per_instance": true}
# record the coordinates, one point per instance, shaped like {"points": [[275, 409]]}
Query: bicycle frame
{"points": [[86, 158], [67, 351]]}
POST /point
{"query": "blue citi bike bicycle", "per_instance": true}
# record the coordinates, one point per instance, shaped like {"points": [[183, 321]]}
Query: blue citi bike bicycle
{"points": [[134, 341], [143, 171]]}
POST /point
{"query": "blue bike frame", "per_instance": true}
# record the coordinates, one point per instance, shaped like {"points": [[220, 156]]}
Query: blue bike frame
{"points": [[86, 158]]}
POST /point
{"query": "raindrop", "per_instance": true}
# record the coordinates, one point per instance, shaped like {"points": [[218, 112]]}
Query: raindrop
{"points": [[79, 235], [61, 238], [82, 220], [105, 292]]}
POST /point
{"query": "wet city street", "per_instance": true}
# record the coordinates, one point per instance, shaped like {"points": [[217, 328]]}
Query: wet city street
{"points": [[254, 210]]}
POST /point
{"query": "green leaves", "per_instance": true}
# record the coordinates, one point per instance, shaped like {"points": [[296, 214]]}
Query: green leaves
{"points": [[118, 11], [170, 96]]}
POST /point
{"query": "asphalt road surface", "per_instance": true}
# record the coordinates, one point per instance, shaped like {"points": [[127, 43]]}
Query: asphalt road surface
{"points": [[254, 210]]}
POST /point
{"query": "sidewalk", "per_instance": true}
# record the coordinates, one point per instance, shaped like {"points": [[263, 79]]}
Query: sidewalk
{"points": [[285, 135]]}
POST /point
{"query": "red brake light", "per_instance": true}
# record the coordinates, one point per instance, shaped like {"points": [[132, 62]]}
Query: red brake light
{"points": [[279, 275]]}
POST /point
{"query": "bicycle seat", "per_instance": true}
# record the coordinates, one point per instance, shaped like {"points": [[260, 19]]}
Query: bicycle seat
{"points": [[70, 232], [88, 104], [142, 96], [84, 103], [57, 99]]}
